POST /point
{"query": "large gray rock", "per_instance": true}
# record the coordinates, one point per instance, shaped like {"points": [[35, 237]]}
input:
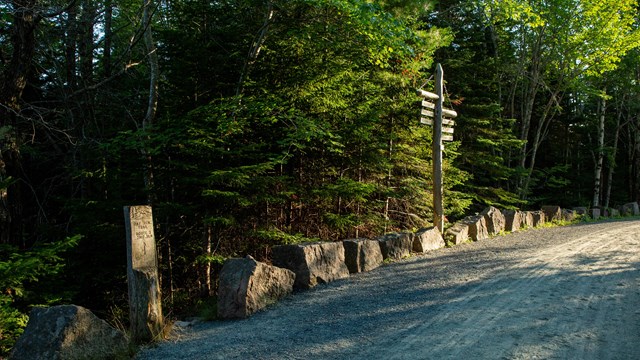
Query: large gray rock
{"points": [[526, 219], [512, 220], [247, 286], [458, 233], [614, 212], [427, 239], [630, 209], [552, 213], [362, 254], [580, 210], [494, 219], [396, 246], [313, 263], [69, 332], [539, 218], [477, 227], [594, 213], [568, 215]]}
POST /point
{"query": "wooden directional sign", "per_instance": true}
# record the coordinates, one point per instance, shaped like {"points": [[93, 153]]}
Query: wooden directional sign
{"points": [[428, 105], [427, 113], [432, 114], [447, 112], [428, 95]]}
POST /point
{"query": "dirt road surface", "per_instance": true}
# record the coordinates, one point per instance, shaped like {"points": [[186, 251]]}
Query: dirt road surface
{"points": [[555, 293]]}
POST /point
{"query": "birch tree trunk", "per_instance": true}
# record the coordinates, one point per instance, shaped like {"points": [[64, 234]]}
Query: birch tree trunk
{"points": [[152, 105], [600, 153], [154, 68], [256, 46]]}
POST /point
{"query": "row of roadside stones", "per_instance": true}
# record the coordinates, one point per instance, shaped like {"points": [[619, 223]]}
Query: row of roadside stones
{"points": [[247, 285], [493, 221]]}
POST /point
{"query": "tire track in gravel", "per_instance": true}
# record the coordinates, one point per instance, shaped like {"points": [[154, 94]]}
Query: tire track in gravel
{"points": [[509, 297]]}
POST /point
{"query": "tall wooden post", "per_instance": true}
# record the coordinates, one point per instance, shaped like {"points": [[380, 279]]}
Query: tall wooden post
{"points": [[438, 216], [145, 306], [433, 114]]}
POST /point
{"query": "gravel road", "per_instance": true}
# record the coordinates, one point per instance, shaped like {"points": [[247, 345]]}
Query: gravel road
{"points": [[555, 293]]}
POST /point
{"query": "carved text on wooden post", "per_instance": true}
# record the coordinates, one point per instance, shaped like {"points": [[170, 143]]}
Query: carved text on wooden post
{"points": [[145, 309]]}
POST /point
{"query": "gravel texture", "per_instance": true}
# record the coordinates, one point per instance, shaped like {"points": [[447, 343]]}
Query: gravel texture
{"points": [[554, 293]]}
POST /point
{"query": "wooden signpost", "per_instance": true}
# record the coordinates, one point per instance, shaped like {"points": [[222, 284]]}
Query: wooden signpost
{"points": [[145, 307], [433, 114]]}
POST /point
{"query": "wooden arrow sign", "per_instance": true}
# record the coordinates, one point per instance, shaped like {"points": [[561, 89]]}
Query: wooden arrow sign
{"points": [[446, 112], [427, 95], [428, 113], [428, 104], [426, 121]]}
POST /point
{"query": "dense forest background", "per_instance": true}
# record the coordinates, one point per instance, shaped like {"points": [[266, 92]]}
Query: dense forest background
{"points": [[252, 123]]}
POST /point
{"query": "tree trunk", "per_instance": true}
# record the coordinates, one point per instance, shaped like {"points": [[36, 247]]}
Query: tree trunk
{"points": [[85, 45], [206, 290], [530, 95], [70, 48], [108, 34], [152, 105], [600, 153], [539, 136], [154, 68], [612, 159], [13, 81], [633, 195], [256, 46]]}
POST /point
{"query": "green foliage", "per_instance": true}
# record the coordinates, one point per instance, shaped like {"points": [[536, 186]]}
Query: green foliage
{"points": [[20, 273], [278, 237]]}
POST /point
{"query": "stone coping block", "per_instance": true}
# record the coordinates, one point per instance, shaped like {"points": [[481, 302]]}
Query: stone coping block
{"points": [[538, 217], [630, 209], [247, 286], [458, 233], [313, 263], [552, 212], [526, 219], [568, 215], [581, 210], [478, 229], [494, 219], [396, 246], [513, 220], [427, 239], [69, 332], [362, 254]]}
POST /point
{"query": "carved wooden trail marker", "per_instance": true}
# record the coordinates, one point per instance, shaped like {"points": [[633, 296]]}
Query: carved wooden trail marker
{"points": [[432, 114], [145, 307]]}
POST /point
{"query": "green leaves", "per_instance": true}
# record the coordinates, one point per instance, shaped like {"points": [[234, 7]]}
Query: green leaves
{"points": [[19, 271]]}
